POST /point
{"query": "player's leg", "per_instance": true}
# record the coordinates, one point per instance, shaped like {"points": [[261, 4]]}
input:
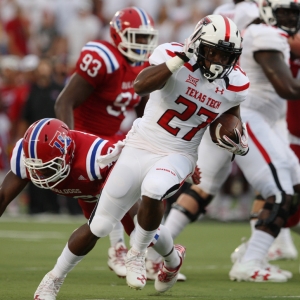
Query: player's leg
{"points": [[266, 168], [163, 179], [118, 196], [215, 166]]}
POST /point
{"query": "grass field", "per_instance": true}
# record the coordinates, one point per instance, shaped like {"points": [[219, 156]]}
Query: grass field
{"points": [[29, 249]]}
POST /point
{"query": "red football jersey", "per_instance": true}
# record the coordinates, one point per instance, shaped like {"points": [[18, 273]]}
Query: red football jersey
{"points": [[112, 76], [85, 179], [293, 107]]}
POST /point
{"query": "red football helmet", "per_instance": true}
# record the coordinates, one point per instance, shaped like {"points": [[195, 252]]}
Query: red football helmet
{"points": [[48, 150], [125, 28]]}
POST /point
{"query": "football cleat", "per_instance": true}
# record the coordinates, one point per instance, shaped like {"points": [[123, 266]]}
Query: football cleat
{"points": [[274, 268], [240, 251], [116, 259], [254, 271], [283, 247], [136, 276], [166, 278], [152, 269], [48, 288]]}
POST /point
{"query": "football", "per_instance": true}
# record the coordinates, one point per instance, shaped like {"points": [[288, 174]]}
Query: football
{"points": [[225, 125]]}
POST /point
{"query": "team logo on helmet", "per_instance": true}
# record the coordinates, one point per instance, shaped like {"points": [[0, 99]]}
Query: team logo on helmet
{"points": [[205, 21], [118, 23], [59, 141]]}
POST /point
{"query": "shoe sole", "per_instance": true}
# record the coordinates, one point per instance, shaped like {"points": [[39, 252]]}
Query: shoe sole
{"points": [[135, 287], [232, 278]]}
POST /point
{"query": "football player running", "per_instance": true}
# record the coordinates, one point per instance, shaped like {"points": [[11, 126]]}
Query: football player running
{"points": [[65, 161], [160, 153], [271, 167], [100, 92]]}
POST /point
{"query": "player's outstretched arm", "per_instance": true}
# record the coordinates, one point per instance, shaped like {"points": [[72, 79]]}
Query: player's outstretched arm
{"points": [[11, 186], [75, 93], [279, 74]]}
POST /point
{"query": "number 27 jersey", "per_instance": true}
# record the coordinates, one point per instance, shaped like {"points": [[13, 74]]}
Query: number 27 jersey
{"points": [[177, 115]]}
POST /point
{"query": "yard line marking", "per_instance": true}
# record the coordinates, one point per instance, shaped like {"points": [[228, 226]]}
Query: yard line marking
{"points": [[32, 235]]}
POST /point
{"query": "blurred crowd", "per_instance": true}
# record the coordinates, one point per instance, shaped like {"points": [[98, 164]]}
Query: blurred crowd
{"points": [[40, 41]]}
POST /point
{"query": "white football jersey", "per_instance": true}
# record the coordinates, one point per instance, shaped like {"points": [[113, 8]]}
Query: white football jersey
{"points": [[262, 96], [242, 14], [176, 116]]}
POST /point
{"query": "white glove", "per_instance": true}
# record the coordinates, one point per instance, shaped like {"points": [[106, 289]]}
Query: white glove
{"points": [[105, 160], [190, 45], [240, 148]]}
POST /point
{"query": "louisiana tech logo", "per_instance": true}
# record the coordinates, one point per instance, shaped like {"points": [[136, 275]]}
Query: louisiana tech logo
{"points": [[59, 141]]}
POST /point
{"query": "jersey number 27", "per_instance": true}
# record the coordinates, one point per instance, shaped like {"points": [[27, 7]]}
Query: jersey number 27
{"points": [[191, 108]]}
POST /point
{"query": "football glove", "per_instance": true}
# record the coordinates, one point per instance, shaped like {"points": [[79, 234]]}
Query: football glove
{"points": [[240, 148], [190, 45]]}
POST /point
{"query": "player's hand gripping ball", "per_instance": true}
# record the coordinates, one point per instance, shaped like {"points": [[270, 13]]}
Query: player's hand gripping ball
{"points": [[228, 132]]}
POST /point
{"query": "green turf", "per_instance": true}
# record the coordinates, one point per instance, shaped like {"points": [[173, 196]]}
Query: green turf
{"points": [[29, 250]]}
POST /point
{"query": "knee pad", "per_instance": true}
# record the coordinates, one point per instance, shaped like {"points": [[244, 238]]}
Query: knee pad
{"points": [[275, 213], [202, 203], [101, 226]]}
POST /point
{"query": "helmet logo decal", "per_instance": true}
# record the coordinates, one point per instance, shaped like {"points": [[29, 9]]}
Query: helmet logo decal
{"points": [[59, 141], [205, 21], [118, 23]]}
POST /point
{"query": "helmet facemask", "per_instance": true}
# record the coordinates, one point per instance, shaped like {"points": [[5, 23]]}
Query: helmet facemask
{"points": [[288, 19], [217, 68], [131, 47], [284, 14], [49, 174]]}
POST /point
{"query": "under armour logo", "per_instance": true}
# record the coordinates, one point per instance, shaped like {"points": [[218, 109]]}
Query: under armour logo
{"points": [[221, 91], [192, 80], [143, 279], [255, 275]]}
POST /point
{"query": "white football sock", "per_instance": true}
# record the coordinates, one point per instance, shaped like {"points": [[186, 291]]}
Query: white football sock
{"points": [[65, 263], [176, 221], [165, 247], [142, 238], [117, 235], [258, 246], [252, 225], [172, 260]]}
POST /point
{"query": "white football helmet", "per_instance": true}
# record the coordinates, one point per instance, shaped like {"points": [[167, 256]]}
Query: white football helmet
{"points": [[221, 33], [288, 21]]}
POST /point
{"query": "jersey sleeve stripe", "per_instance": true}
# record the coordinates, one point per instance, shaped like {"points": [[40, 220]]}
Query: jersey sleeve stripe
{"points": [[33, 138], [93, 169], [108, 57], [235, 88]]}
